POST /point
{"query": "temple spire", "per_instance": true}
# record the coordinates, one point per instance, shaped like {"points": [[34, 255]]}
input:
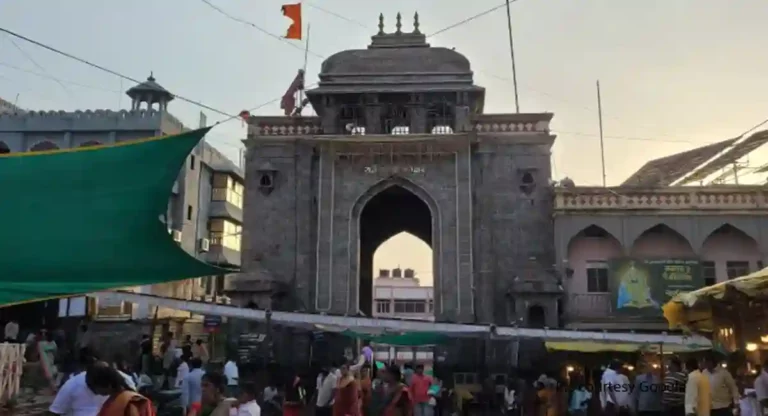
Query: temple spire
{"points": [[416, 22], [399, 24], [381, 23]]}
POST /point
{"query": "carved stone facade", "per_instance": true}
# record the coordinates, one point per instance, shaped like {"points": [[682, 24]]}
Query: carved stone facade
{"points": [[400, 143], [725, 227]]}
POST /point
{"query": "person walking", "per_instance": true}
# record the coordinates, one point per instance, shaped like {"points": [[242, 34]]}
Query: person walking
{"points": [[673, 396], [698, 399]]}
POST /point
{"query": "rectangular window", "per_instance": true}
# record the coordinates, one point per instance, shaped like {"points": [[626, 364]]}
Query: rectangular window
{"points": [[709, 272], [225, 233], [227, 189], [737, 268], [192, 162], [383, 306], [759, 265], [597, 277], [410, 306], [189, 211]]}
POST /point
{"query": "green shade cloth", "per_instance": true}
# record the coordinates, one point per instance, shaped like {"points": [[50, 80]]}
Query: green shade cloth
{"points": [[85, 220], [410, 339]]}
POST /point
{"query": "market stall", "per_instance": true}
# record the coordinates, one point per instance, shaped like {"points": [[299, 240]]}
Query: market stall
{"points": [[734, 313]]}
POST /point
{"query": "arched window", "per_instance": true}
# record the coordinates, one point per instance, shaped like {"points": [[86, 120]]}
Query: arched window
{"points": [[4, 148]]}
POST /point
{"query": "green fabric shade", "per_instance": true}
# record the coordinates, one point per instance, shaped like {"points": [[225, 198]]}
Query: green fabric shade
{"points": [[85, 220]]}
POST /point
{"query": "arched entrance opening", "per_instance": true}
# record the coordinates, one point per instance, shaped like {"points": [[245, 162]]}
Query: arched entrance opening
{"points": [[392, 211], [537, 317]]}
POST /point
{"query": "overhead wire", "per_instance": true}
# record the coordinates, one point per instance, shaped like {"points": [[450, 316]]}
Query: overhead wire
{"points": [[40, 67], [104, 69], [259, 28], [47, 76], [491, 10]]}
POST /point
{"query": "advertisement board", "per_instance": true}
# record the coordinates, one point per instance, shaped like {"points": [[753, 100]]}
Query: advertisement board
{"points": [[640, 287]]}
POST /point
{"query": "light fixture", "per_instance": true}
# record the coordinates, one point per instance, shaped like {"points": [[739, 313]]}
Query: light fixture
{"points": [[654, 365], [751, 346], [630, 367], [764, 339], [724, 365], [753, 371], [569, 369]]}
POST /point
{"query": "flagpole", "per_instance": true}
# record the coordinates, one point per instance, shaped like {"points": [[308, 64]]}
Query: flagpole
{"points": [[306, 56], [512, 53], [600, 120]]}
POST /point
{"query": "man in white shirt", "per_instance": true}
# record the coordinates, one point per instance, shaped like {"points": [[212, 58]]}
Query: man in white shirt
{"points": [[247, 404], [12, 331], [761, 388], [76, 399], [610, 388], [326, 393], [232, 372], [724, 392]]}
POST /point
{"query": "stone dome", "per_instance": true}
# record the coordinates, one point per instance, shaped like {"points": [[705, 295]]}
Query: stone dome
{"points": [[425, 60]]}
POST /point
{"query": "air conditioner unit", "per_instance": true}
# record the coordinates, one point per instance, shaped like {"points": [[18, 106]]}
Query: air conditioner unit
{"points": [[176, 235], [205, 245]]}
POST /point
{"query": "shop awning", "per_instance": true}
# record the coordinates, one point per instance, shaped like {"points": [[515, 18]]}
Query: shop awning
{"points": [[84, 220], [693, 310], [589, 347]]}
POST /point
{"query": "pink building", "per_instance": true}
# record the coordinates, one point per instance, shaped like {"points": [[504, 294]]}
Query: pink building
{"points": [[724, 227]]}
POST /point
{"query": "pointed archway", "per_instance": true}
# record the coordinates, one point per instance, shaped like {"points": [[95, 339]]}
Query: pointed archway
{"points": [[393, 210]]}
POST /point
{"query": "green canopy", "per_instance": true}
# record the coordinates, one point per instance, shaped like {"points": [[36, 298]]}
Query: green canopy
{"points": [[84, 220]]}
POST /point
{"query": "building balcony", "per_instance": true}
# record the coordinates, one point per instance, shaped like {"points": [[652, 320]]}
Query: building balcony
{"points": [[587, 306], [594, 311], [679, 199], [526, 124], [224, 206], [222, 255]]}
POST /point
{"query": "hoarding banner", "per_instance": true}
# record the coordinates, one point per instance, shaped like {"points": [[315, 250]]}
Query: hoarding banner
{"points": [[641, 287]]}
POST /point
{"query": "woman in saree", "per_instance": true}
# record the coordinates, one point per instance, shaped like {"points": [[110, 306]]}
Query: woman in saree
{"points": [[295, 397], [104, 380], [347, 399], [213, 400], [390, 397], [366, 389], [46, 350], [547, 398]]}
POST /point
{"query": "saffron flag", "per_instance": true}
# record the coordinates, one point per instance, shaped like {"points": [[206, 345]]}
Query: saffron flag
{"points": [[293, 12]]}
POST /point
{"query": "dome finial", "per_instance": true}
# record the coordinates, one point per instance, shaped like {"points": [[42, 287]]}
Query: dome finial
{"points": [[151, 77], [381, 23], [416, 22], [399, 24]]}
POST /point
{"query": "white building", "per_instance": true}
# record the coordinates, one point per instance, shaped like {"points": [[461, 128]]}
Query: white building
{"points": [[398, 293]]}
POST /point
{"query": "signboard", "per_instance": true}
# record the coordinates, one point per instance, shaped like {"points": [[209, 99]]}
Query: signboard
{"points": [[212, 323], [642, 287]]}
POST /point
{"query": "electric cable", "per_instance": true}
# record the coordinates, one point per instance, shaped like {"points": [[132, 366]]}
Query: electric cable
{"points": [[104, 69]]}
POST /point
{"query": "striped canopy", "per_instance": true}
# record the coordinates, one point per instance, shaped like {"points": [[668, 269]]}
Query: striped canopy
{"points": [[696, 310]]}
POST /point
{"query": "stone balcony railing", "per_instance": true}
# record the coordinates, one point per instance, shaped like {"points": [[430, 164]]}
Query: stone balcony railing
{"points": [[512, 123], [587, 306], [481, 123], [681, 198], [283, 126]]}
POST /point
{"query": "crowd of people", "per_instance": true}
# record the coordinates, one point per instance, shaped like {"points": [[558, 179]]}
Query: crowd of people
{"points": [[88, 386]]}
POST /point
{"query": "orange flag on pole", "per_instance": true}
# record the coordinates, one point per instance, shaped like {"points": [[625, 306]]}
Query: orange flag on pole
{"points": [[293, 12]]}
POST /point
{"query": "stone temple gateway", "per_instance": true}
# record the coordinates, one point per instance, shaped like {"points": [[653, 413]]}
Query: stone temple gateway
{"points": [[401, 143]]}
